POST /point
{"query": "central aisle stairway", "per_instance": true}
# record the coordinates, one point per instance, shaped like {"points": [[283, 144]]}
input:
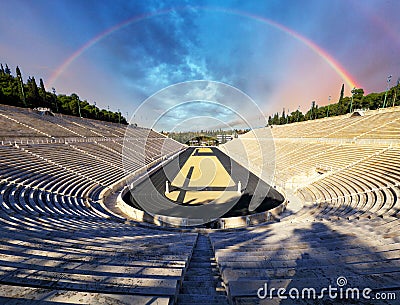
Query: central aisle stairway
{"points": [[202, 282]]}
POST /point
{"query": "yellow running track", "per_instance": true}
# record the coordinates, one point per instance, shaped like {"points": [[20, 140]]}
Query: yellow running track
{"points": [[207, 172]]}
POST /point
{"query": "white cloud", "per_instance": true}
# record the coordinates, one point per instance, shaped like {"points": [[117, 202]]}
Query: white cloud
{"points": [[208, 99]]}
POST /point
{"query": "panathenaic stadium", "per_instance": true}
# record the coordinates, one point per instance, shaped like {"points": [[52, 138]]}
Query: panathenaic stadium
{"points": [[92, 215]]}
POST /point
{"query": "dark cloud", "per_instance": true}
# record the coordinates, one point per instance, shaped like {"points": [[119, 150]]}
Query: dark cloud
{"points": [[179, 43], [157, 50]]}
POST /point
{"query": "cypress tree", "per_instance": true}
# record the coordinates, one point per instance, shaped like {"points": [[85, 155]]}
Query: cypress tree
{"points": [[312, 110], [18, 72], [341, 93], [19, 77], [43, 92], [33, 93], [7, 70]]}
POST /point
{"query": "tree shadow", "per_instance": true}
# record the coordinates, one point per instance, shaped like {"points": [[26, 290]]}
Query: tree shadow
{"points": [[41, 257], [309, 253]]}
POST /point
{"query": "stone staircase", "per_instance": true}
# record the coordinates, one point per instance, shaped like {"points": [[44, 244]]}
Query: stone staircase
{"points": [[202, 281]]}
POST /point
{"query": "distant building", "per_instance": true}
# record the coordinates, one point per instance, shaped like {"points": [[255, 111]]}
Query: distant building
{"points": [[223, 138], [43, 111], [202, 141]]}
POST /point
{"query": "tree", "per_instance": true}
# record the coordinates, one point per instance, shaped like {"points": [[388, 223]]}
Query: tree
{"points": [[18, 72], [7, 70], [358, 97], [32, 93], [283, 118], [43, 93], [19, 78], [373, 100], [2, 96], [358, 93], [55, 107], [341, 92], [312, 115], [343, 106], [395, 89], [14, 92], [320, 112], [10, 88], [275, 120], [63, 104], [298, 116], [77, 102]]}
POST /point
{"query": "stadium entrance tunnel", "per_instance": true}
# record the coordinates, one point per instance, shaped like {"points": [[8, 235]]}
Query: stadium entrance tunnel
{"points": [[202, 187]]}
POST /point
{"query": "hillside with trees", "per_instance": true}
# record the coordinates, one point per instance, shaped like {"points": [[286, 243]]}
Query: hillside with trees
{"points": [[344, 105], [14, 91]]}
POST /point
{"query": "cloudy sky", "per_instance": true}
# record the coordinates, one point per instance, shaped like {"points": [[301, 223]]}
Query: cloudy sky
{"points": [[279, 53]]}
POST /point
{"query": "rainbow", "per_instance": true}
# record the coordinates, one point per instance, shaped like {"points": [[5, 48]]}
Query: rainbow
{"points": [[96, 39], [349, 80], [345, 75]]}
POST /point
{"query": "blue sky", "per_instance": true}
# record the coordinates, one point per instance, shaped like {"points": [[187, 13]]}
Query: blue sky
{"points": [[246, 44]]}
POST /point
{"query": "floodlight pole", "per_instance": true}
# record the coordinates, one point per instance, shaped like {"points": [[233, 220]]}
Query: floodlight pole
{"points": [[55, 97], [22, 89], [79, 109], [352, 94], [387, 89], [329, 102], [287, 117], [395, 92], [312, 109], [298, 113], [95, 109], [119, 117]]}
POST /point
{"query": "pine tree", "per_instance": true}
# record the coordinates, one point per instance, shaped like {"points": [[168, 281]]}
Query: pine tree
{"points": [[2, 69]]}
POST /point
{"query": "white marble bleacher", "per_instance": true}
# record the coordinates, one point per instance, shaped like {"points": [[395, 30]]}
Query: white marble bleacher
{"points": [[77, 162], [58, 243], [348, 225], [374, 176], [37, 125], [72, 250], [40, 257], [311, 129], [307, 253]]}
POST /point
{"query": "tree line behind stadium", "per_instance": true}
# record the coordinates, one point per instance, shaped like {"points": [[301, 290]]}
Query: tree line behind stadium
{"points": [[14, 91]]}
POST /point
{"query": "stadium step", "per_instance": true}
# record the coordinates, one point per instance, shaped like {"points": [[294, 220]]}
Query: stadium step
{"points": [[202, 281], [17, 295]]}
